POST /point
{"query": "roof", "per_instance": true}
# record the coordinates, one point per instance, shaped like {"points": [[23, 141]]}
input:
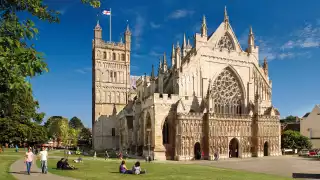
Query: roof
{"points": [[306, 115]]}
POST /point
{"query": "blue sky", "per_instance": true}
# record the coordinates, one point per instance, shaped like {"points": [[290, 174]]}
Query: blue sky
{"points": [[288, 33]]}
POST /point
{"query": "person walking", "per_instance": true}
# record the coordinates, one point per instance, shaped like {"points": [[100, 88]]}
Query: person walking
{"points": [[29, 159], [44, 160]]}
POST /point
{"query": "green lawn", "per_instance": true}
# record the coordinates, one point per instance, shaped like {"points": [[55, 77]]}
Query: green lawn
{"points": [[99, 169], [6, 159]]}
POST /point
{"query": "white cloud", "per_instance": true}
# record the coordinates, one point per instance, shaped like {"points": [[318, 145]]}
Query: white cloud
{"points": [[155, 54], [286, 55], [307, 37], [154, 25], [180, 13], [84, 70], [138, 30]]}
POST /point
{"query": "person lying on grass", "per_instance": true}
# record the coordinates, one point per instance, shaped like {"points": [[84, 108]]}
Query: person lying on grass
{"points": [[123, 168], [136, 169]]}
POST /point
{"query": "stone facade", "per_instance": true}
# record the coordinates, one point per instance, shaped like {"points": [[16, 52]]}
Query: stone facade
{"points": [[215, 98], [110, 88]]}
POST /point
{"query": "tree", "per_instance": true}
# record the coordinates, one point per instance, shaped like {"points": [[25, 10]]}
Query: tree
{"points": [[75, 123], [85, 134], [294, 140], [20, 61], [289, 119], [73, 136], [58, 128]]}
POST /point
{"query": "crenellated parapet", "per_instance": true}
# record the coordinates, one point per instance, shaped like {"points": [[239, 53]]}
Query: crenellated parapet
{"points": [[190, 116], [165, 98], [213, 116], [268, 118], [110, 45]]}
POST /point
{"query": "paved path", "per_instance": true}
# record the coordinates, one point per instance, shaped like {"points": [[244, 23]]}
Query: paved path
{"points": [[18, 170], [281, 166]]}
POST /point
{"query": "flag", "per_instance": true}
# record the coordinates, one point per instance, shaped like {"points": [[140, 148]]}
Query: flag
{"points": [[106, 12]]}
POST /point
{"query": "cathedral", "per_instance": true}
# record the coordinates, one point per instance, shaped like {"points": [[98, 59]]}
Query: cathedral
{"points": [[214, 98]]}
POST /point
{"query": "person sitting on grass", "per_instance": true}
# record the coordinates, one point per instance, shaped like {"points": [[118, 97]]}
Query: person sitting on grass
{"points": [[66, 166], [123, 168], [136, 169], [60, 163]]}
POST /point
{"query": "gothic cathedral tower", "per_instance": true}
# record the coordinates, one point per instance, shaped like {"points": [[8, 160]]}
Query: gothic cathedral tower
{"points": [[110, 86]]}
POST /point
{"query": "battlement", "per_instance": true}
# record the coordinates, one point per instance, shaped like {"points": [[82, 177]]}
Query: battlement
{"points": [[165, 98], [190, 115], [110, 45], [213, 116], [268, 118]]}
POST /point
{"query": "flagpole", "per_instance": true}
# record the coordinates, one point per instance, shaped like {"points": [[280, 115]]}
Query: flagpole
{"points": [[110, 25]]}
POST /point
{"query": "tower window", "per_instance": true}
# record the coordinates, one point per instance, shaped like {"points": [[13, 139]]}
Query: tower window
{"points": [[104, 55], [113, 132], [123, 57], [115, 76], [114, 56]]}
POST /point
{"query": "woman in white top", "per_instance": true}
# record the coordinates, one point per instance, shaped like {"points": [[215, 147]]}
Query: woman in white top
{"points": [[136, 169]]}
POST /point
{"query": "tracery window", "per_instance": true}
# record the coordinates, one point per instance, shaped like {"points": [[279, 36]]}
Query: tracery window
{"points": [[226, 93], [226, 42]]}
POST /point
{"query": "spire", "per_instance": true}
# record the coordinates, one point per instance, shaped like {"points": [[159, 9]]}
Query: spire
{"points": [[127, 29], [250, 41], [173, 51], [172, 56], [128, 32], [226, 17], [121, 41], [98, 25], [164, 59], [204, 28], [152, 73], [184, 45], [178, 46], [160, 65], [250, 31]]}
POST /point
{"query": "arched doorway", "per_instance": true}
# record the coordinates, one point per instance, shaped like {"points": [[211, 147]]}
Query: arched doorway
{"points": [[165, 132], [265, 149], [234, 148], [148, 131], [197, 151]]}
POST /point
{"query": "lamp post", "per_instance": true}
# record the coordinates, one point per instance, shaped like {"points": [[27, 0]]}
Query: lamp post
{"points": [[149, 143]]}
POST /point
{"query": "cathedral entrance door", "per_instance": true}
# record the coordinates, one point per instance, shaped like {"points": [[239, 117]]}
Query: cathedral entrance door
{"points": [[265, 149], [197, 151], [234, 148]]}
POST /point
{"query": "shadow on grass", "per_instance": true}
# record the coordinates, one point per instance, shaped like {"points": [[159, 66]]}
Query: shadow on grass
{"points": [[305, 175]]}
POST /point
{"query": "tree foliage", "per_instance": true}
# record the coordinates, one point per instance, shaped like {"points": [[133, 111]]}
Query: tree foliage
{"points": [[19, 61], [289, 119], [75, 123], [85, 134], [58, 128], [73, 135], [294, 140]]}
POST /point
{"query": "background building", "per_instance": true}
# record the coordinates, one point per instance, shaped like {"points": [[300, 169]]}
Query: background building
{"points": [[310, 126]]}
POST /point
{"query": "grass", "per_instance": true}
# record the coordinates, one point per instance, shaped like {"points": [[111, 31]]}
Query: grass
{"points": [[6, 159], [96, 170]]}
